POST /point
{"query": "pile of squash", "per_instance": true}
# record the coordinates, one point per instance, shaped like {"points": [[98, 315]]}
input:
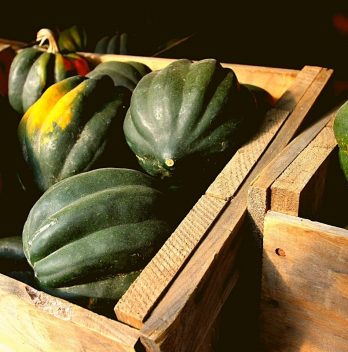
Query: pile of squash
{"points": [[103, 161]]}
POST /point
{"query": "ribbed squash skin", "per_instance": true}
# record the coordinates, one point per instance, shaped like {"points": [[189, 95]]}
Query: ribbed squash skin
{"points": [[34, 70], [112, 44], [126, 74], [92, 233], [75, 126], [340, 129], [186, 118]]}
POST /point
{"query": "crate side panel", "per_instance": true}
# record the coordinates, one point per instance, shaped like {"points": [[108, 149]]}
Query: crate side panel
{"points": [[31, 320], [304, 304]]}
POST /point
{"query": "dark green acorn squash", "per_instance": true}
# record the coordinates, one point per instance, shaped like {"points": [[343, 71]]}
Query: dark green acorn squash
{"points": [[126, 74], [340, 129], [33, 70], [185, 120], [113, 44], [75, 126], [91, 234]]}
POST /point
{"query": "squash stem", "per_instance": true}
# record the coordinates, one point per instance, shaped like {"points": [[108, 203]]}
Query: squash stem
{"points": [[46, 34]]}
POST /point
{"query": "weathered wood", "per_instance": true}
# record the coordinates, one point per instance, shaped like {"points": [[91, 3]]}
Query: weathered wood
{"points": [[139, 300], [31, 320], [298, 191], [231, 177], [304, 285], [304, 79], [259, 197], [194, 299]]}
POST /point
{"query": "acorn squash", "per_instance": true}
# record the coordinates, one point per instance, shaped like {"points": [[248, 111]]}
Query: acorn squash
{"points": [[185, 120], [75, 126], [91, 234], [34, 69]]}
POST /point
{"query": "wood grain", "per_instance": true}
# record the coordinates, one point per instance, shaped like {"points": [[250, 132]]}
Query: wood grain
{"points": [[31, 320], [139, 300], [259, 197], [304, 292], [194, 299], [299, 189]]}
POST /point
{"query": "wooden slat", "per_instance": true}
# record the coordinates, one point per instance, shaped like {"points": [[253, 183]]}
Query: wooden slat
{"points": [[299, 189], [304, 289], [139, 300], [289, 129], [33, 321], [194, 299], [231, 177], [259, 193]]}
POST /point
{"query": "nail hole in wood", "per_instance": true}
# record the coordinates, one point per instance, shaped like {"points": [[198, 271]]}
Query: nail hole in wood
{"points": [[280, 252]]}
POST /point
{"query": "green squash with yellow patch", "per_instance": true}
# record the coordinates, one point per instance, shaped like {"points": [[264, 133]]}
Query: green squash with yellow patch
{"points": [[75, 126], [34, 69]]}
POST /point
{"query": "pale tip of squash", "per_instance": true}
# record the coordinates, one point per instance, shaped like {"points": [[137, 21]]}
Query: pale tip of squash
{"points": [[169, 162]]}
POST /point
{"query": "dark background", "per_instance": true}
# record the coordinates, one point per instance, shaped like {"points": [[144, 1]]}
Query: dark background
{"points": [[269, 33], [264, 33]]}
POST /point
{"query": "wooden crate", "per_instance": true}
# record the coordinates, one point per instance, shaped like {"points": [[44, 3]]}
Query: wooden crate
{"points": [[304, 296], [173, 304]]}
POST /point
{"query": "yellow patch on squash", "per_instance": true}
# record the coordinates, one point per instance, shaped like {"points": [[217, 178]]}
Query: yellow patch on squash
{"points": [[53, 108], [36, 114], [62, 113]]}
